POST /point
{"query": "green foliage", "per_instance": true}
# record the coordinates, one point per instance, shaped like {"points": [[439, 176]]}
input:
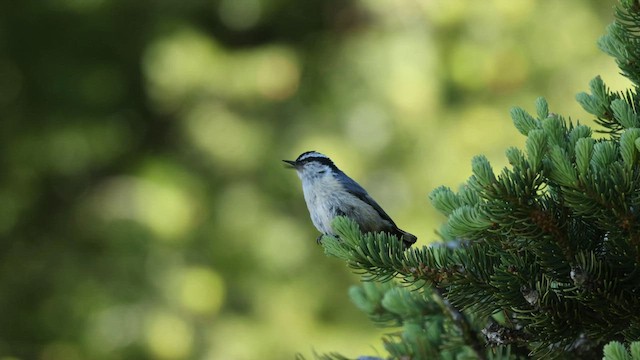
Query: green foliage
{"points": [[545, 255], [622, 41], [617, 351], [387, 304], [420, 317], [427, 328]]}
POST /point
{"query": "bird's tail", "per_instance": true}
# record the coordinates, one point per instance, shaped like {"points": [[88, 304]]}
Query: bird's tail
{"points": [[407, 239]]}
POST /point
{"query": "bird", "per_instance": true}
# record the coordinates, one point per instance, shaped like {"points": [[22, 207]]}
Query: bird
{"points": [[329, 192]]}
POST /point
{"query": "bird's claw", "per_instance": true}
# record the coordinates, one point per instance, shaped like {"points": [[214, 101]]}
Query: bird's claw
{"points": [[319, 238]]}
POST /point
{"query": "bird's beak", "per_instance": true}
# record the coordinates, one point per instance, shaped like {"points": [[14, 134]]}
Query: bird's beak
{"points": [[292, 164]]}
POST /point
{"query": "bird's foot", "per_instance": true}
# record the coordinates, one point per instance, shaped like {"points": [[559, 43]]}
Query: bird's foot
{"points": [[319, 238]]}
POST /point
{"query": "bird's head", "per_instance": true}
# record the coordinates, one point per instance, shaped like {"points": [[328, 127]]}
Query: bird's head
{"points": [[312, 164]]}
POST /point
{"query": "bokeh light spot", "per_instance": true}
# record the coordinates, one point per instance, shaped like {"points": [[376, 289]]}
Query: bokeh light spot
{"points": [[508, 69], [168, 336], [115, 327], [411, 59], [514, 11], [444, 13], [187, 65], [182, 64], [368, 126], [469, 64], [224, 136], [201, 290], [240, 211], [284, 233], [166, 209], [278, 74]]}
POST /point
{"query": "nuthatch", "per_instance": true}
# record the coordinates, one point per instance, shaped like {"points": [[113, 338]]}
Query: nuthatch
{"points": [[329, 192]]}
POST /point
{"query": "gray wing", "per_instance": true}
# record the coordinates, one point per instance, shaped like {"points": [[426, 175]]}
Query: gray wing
{"points": [[358, 191]]}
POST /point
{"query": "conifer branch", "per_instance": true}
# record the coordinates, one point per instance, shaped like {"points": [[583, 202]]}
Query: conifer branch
{"points": [[551, 243], [470, 336]]}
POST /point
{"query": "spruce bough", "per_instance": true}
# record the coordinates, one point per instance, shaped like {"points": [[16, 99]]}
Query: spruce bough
{"points": [[540, 260]]}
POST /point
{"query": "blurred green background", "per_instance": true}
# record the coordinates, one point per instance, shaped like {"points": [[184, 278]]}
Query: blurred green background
{"points": [[144, 210]]}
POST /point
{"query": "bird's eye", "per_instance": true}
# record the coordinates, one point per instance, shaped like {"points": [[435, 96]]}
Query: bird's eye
{"points": [[322, 171]]}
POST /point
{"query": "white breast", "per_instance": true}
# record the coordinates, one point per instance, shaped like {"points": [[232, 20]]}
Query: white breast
{"points": [[326, 199], [323, 196]]}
